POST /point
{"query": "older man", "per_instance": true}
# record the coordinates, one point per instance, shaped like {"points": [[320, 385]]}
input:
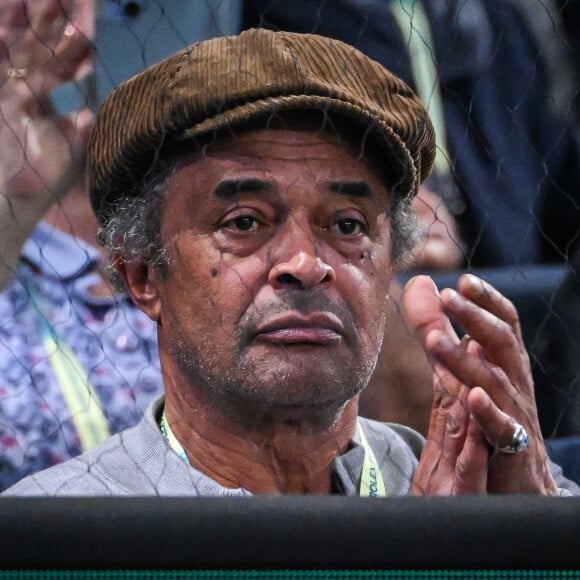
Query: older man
{"points": [[255, 194]]}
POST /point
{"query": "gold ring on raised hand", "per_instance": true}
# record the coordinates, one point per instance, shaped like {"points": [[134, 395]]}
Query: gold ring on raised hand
{"points": [[17, 73]]}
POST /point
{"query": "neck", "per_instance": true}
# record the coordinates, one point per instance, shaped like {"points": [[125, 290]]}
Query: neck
{"points": [[287, 452]]}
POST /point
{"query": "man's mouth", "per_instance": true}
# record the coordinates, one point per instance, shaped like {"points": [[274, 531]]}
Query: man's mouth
{"points": [[293, 328]]}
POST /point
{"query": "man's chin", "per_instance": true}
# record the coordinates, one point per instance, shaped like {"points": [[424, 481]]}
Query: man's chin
{"points": [[307, 390], [291, 407]]}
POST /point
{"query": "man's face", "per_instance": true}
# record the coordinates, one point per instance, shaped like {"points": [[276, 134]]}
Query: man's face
{"points": [[279, 262]]}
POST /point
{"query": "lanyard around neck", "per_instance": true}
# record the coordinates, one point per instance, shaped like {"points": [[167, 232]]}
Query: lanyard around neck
{"points": [[371, 484], [78, 393], [171, 438]]}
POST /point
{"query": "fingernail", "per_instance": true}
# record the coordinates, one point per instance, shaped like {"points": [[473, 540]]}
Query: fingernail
{"points": [[449, 295], [473, 282]]}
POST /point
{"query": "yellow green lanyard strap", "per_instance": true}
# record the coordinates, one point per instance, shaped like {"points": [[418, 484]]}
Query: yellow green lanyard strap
{"points": [[371, 480], [78, 393], [371, 484], [414, 25], [172, 439]]}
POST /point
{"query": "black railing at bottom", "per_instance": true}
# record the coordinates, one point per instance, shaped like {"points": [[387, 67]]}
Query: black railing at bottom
{"points": [[290, 532]]}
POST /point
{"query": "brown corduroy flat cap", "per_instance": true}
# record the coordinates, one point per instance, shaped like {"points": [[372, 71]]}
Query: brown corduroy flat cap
{"points": [[223, 82]]}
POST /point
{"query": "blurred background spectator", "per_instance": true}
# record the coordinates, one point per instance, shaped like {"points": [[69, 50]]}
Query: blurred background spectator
{"points": [[76, 360], [553, 26], [513, 163]]}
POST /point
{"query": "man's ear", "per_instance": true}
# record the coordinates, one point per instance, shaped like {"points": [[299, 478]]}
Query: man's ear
{"points": [[142, 283]]}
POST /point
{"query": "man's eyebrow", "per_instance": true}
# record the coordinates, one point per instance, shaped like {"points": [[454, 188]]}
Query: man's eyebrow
{"points": [[231, 188], [352, 188]]}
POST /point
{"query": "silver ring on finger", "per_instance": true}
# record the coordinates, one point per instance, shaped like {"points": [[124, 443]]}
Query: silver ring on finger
{"points": [[519, 441]]}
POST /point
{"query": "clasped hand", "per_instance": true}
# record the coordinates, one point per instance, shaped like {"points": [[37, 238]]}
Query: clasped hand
{"points": [[483, 388]]}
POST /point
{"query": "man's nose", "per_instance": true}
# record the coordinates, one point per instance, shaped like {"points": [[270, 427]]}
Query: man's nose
{"points": [[298, 265], [303, 270]]}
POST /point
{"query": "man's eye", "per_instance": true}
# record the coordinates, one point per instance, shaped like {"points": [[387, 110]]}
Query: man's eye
{"points": [[243, 223], [348, 226]]}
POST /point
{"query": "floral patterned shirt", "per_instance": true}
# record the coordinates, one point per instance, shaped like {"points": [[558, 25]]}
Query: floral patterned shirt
{"points": [[114, 342]]}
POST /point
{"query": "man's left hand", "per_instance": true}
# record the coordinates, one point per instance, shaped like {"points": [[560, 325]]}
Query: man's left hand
{"points": [[483, 389]]}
